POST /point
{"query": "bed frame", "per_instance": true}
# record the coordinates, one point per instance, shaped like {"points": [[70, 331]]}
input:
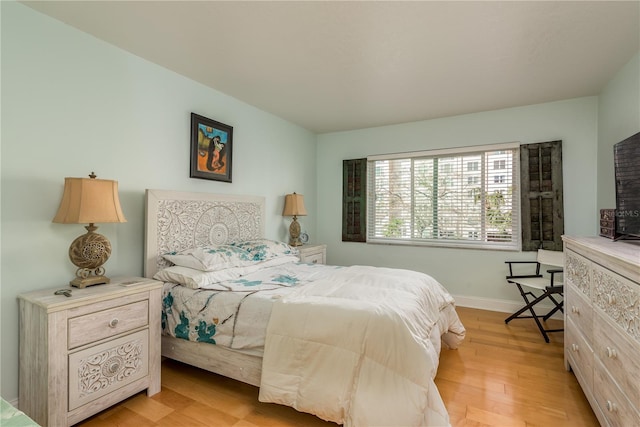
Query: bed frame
{"points": [[179, 220]]}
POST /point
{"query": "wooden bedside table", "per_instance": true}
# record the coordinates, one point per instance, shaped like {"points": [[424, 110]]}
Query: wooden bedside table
{"points": [[83, 353], [313, 254]]}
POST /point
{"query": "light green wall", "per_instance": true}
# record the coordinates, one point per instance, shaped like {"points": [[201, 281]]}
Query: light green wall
{"points": [[618, 118], [72, 104], [465, 272]]}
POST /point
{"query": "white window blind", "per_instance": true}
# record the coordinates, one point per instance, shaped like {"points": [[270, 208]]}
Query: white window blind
{"points": [[452, 197]]}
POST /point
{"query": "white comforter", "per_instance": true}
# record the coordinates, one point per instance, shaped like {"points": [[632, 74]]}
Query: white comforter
{"points": [[361, 348]]}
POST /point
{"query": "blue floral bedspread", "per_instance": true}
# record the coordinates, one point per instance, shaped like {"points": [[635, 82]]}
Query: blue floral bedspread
{"points": [[236, 317]]}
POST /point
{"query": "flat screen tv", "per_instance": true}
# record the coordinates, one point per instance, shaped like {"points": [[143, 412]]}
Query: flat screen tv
{"points": [[626, 156]]}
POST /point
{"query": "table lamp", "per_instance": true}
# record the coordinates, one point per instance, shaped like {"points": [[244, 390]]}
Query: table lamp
{"points": [[294, 206], [89, 201]]}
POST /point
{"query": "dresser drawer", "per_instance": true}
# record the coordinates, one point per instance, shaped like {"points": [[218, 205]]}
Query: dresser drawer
{"points": [[107, 323], [618, 298], [578, 309], [577, 271], [579, 354], [617, 409], [620, 355], [97, 371]]}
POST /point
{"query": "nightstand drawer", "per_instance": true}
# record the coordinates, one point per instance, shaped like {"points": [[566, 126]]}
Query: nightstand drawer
{"points": [[97, 371], [313, 254], [315, 259], [107, 323]]}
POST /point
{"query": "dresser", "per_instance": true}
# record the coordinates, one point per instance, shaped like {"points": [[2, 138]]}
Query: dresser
{"points": [[82, 353], [313, 254], [602, 325]]}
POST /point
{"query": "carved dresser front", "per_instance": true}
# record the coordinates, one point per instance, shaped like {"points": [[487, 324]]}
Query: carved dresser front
{"points": [[602, 325], [80, 354]]}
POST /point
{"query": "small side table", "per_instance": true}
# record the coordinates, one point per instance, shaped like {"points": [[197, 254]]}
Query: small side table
{"points": [[82, 353], [313, 254]]}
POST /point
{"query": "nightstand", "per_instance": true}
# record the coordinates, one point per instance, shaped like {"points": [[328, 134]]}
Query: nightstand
{"points": [[83, 353], [313, 254]]}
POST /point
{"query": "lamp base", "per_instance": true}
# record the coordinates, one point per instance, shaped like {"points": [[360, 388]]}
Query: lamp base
{"points": [[83, 282], [294, 233], [89, 252]]}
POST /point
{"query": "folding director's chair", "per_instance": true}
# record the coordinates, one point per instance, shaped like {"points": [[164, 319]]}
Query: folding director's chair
{"points": [[547, 286]]}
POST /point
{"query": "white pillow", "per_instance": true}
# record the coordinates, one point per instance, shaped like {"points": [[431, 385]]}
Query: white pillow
{"points": [[195, 279], [211, 258]]}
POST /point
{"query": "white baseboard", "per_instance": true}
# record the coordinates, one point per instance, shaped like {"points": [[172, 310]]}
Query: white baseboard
{"points": [[503, 306]]}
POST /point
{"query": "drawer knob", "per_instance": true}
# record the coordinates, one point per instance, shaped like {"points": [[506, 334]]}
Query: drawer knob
{"points": [[611, 407], [113, 323], [575, 309], [574, 347], [612, 353], [315, 261], [114, 367]]}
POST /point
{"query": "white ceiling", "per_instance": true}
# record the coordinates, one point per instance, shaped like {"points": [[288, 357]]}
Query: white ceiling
{"points": [[332, 65]]}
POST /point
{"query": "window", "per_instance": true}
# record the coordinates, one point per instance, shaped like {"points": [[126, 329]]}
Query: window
{"points": [[438, 198], [499, 164]]}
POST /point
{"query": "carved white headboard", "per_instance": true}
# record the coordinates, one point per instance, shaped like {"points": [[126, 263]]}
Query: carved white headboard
{"points": [[178, 220]]}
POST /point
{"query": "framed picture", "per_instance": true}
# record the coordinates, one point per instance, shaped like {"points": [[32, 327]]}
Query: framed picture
{"points": [[211, 149]]}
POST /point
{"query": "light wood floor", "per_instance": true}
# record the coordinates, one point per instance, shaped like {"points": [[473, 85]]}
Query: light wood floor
{"points": [[502, 375]]}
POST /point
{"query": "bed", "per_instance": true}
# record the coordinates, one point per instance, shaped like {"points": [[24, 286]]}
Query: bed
{"points": [[365, 343]]}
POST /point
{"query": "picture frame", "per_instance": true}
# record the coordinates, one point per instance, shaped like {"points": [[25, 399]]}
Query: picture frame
{"points": [[211, 149]]}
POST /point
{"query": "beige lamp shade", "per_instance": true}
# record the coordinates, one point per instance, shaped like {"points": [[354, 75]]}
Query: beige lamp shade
{"points": [[88, 201], [294, 205]]}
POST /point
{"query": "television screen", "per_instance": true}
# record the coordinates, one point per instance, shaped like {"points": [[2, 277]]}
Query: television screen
{"points": [[626, 156]]}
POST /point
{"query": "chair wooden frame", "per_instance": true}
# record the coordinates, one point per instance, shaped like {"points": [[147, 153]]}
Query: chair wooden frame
{"points": [[549, 286]]}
